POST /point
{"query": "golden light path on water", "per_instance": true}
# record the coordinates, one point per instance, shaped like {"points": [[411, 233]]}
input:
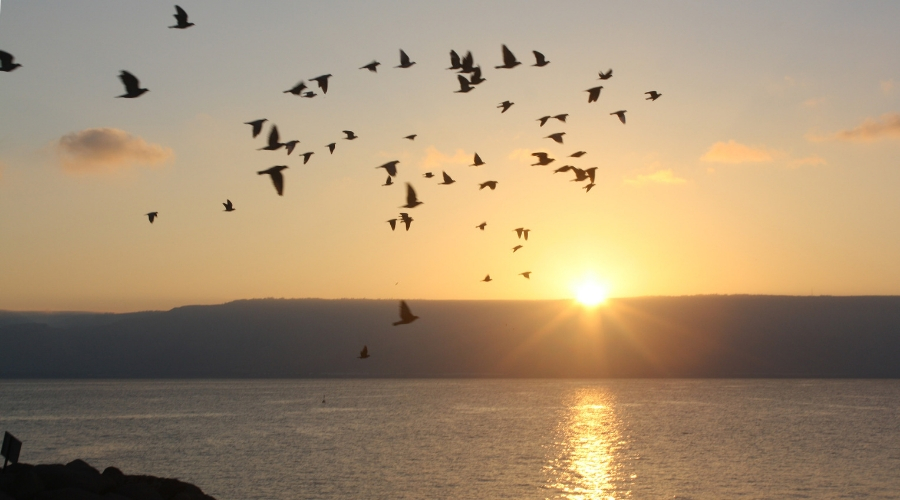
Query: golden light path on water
{"points": [[587, 460]]}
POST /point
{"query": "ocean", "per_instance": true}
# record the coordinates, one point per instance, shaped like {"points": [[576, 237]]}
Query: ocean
{"points": [[474, 438]]}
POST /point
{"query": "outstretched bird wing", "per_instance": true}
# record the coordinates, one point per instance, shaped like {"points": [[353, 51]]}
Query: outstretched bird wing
{"points": [[130, 81], [411, 199]]}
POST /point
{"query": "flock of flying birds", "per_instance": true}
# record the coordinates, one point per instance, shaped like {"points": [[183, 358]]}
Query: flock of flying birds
{"points": [[462, 65]]}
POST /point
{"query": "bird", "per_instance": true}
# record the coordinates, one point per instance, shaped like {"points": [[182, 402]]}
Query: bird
{"points": [[390, 167], [392, 222], [481, 226], [541, 60], [543, 159], [364, 353], [564, 168], [411, 200], [544, 119], [654, 95], [181, 18], [404, 60], [594, 93], [323, 82], [372, 66], [580, 175], [520, 231], [277, 178], [556, 137], [289, 145], [330, 147], [454, 60], [411, 137], [152, 216], [467, 64], [306, 156], [505, 105], [447, 179], [228, 206], [273, 140], [526, 274], [489, 184], [588, 187], [463, 85], [621, 115], [516, 248], [477, 162], [476, 78], [428, 175], [296, 89], [309, 94], [487, 279], [132, 85], [350, 135], [406, 316], [561, 117], [606, 76], [578, 154], [257, 126], [509, 60], [389, 181], [590, 173], [406, 219], [6, 62]]}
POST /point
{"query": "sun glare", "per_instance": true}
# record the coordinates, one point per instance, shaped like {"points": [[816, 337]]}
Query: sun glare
{"points": [[591, 294]]}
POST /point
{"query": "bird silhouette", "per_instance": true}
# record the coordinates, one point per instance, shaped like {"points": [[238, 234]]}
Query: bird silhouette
{"points": [[488, 184], [577, 154], [487, 279], [477, 162], [544, 119], [621, 115], [454, 60], [587, 189], [406, 219], [561, 117], [152, 216], [350, 135], [228, 206], [580, 175], [590, 173], [428, 175], [323, 82], [516, 248], [521, 231], [509, 60], [310, 94], [556, 137], [330, 147], [463, 85], [543, 159], [372, 66], [273, 140], [594, 94], [481, 226], [390, 167], [392, 222], [467, 64], [181, 18], [7, 63], [289, 145], [257, 126], [526, 274], [476, 78], [411, 200], [389, 181], [654, 95], [406, 316], [404, 60], [606, 76], [541, 60], [411, 137], [277, 178], [306, 156], [296, 89], [132, 85], [505, 105], [364, 353], [564, 168], [447, 179]]}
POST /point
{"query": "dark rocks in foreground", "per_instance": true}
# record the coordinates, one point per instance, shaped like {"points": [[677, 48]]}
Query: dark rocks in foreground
{"points": [[79, 481]]}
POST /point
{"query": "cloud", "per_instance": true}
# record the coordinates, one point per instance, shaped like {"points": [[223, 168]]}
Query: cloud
{"points": [[521, 155], [808, 161], [435, 159], [734, 152], [887, 87], [107, 149], [659, 177], [870, 130], [814, 102]]}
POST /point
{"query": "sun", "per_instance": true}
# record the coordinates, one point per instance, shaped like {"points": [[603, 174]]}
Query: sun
{"points": [[591, 294]]}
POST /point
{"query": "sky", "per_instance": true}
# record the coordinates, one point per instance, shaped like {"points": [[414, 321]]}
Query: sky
{"points": [[769, 165]]}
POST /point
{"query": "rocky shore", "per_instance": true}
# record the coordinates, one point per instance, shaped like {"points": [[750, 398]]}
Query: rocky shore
{"points": [[77, 480]]}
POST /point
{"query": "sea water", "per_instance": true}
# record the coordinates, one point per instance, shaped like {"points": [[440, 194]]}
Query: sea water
{"points": [[475, 438]]}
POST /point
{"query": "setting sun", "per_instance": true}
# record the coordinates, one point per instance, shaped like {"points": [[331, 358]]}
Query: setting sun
{"points": [[591, 294]]}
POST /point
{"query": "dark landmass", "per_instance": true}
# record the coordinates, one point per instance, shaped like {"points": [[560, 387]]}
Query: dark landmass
{"points": [[698, 336], [79, 481]]}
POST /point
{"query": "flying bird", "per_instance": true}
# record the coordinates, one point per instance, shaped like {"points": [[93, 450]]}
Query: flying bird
{"points": [[544, 119], [590, 173], [310, 94], [467, 65], [447, 179], [181, 18], [564, 168], [556, 137], [364, 353], [228, 206], [273, 140], [561, 117], [330, 147], [289, 145], [594, 93], [463, 85], [152, 216], [390, 167], [372, 66], [481, 226], [543, 159], [588, 187], [406, 219], [257, 126], [577, 154], [526, 274], [606, 76], [476, 78], [132, 85], [621, 115], [306, 156], [580, 175], [296, 89], [516, 248], [392, 222], [487, 279], [454, 60], [411, 137], [277, 178], [323, 82], [389, 181], [654, 95], [428, 175], [522, 231], [541, 60], [404, 60], [406, 316], [6, 62], [477, 162], [489, 184], [509, 60], [350, 135], [505, 105], [411, 200]]}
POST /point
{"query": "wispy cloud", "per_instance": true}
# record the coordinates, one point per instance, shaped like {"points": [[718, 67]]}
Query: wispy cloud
{"points": [[887, 87], [435, 159], [735, 152], [107, 149], [521, 155], [809, 161], [870, 130], [666, 176], [813, 102]]}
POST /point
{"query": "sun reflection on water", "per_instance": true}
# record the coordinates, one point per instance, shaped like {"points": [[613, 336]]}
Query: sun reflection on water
{"points": [[586, 461]]}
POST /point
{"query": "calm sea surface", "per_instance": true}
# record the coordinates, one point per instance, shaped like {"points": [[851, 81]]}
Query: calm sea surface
{"points": [[478, 439]]}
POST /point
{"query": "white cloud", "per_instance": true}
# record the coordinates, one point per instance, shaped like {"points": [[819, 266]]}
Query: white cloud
{"points": [[887, 126], [666, 176], [107, 149], [734, 152], [435, 159]]}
